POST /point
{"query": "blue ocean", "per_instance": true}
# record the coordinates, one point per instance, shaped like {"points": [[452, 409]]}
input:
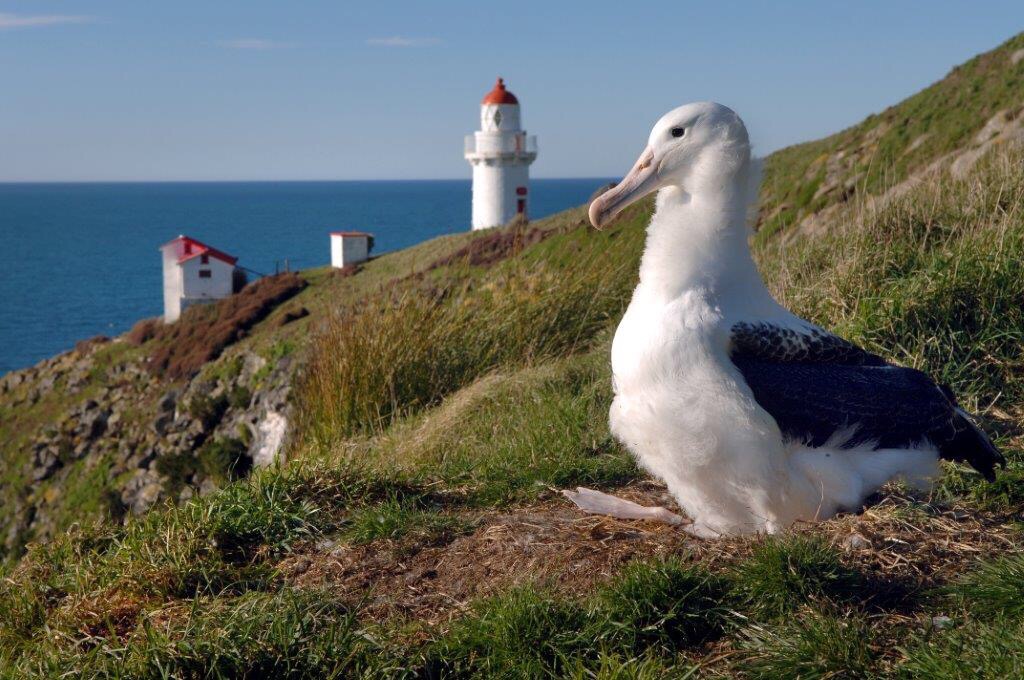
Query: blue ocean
{"points": [[82, 259]]}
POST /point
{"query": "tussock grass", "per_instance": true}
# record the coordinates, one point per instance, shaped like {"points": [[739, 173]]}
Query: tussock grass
{"points": [[423, 338], [633, 626], [511, 436], [783, 574], [394, 519], [994, 589], [284, 634], [662, 605], [525, 633], [393, 357], [810, 647], [498, 389]]}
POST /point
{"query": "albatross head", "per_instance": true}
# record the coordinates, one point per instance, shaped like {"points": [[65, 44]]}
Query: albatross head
{"points": [[697, 147]]}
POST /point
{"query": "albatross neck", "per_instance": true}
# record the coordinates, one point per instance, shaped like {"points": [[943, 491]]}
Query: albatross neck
{"points": [[698, 243]]}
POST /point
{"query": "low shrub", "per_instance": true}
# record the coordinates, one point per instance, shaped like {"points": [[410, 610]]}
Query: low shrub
{"points": [[203, 331]]}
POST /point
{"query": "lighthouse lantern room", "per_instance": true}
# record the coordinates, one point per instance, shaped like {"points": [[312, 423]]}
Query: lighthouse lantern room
{"points": [[500, 153]]}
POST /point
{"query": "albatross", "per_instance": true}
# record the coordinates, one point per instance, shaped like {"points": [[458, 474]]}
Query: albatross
{"points": [[753, 417]]}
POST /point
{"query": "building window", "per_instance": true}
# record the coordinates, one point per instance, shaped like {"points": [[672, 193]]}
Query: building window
{"points": [[204, 273], [204, 259]]}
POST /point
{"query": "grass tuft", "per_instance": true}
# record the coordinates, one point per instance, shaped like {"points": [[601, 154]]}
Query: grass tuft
{"points": [[811, 647], [787, 572]]}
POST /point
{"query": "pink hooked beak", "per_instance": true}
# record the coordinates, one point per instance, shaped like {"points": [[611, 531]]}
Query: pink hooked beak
{"points": [[638, 182]]}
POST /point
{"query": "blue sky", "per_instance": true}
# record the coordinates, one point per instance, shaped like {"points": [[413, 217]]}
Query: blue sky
{"points": [[365, 90]]}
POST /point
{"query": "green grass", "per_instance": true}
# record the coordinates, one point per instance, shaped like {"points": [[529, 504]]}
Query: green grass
{"points": [[994, 589], [511, 437], [395, 519], [437, 396], [408, 347], [783, 575], [810, 647], [945, 116]]}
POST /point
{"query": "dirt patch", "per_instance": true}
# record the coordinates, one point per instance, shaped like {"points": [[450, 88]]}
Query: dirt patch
{"points": [[554, 544]]}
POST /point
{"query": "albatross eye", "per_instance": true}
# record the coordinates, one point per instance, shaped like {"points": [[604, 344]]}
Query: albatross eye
{"points": [[678, 131]]}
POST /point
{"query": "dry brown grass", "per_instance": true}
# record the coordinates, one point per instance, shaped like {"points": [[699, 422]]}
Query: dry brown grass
{"points": [[144, 331], [201, 334], [902, 543]]}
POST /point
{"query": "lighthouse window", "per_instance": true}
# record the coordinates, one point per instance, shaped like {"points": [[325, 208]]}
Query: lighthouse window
{"points": [[204, 259], [497, 117], [204, 273]]}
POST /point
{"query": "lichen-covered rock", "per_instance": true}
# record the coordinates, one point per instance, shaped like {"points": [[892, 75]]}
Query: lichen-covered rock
{"points": [[133, 421]]}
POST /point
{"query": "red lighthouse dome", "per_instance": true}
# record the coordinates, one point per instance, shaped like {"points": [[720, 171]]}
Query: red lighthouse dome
{"points": [[499, 95]]}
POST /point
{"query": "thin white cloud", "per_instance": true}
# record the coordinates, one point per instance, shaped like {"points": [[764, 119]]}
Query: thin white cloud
{"points": [[403, 41], [35, 20], [254, 44]]}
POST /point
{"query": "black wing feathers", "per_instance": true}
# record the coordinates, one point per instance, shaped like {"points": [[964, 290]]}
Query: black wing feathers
{"points": [[818, 386]]}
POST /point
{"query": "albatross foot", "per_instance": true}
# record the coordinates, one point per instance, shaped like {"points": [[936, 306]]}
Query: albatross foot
{"points": [[599, 503]]}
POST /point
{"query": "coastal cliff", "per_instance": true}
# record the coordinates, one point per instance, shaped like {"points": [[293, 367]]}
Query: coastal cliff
{"points": [[431, 404]]}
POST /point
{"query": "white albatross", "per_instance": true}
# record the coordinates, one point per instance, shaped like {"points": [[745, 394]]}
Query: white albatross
{"points": [[753, 417]]}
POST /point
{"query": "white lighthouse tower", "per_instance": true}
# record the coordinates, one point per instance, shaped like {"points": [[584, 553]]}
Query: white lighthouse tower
{"points": [[500, 153]]}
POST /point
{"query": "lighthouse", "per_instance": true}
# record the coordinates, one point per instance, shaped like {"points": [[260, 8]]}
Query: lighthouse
{"points": [[500, 153]]}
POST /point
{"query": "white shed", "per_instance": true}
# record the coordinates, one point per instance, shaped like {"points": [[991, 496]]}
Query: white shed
{"points": [[194, 273], [350, 247]]}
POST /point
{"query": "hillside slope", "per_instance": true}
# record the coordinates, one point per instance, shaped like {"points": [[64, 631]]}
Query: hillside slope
{"points": [[417, 532], [439, 398], [949, 124]]}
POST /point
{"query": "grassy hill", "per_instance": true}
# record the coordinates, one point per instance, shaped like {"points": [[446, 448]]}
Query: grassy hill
{"points": [[445, 393], [976, 106]]}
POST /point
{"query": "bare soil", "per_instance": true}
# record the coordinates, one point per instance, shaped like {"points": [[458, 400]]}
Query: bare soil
{"points": [[901, 543]]}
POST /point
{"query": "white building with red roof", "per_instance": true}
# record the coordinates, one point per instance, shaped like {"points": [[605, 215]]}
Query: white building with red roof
{"points": [[350, 248], [194, 273], [500, 153]]}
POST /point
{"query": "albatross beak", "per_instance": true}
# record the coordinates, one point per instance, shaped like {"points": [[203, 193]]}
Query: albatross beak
{"points": [[640, 181]]}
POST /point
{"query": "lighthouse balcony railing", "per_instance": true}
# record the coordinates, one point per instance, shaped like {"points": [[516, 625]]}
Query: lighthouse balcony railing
{"points": [[498, 144]]}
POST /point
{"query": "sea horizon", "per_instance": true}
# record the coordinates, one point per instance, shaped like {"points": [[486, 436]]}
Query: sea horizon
{"points": [[271, 181], [83, 260]]}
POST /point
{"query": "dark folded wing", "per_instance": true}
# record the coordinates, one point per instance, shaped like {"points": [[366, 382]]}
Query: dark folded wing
{"points": [[809, 344], [818, 386], [887, 406]]}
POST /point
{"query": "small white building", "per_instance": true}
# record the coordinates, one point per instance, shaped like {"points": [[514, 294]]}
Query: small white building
{"points": [[350, 247], [194, 273], [500, 153]]}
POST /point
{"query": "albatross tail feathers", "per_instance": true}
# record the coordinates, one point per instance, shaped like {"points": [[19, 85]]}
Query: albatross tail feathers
{"points": [[972, 446]]}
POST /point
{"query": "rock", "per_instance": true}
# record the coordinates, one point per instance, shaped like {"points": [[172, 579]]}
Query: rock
{"points": [[856, 542], [207, 487], [46, 461], [162, 424], [270, 435], [94, 423], [326, 544], [941, 622], [141, 492], [168, 401], [81, 449], [45, 386]]}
